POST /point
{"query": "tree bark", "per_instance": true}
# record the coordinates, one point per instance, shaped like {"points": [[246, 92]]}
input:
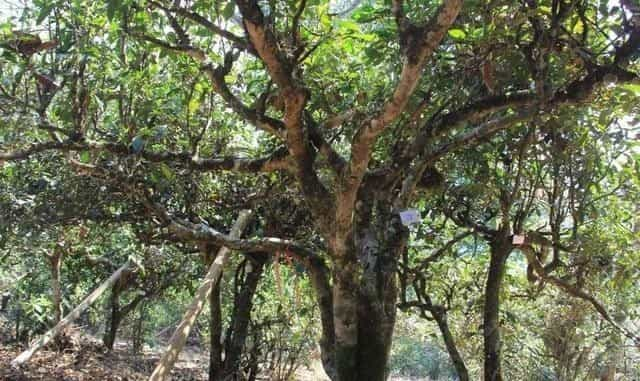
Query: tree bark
{"points": [[377, 313], [243, 304], [365, 294], [345, 320], [215, 317], [458, 363], [4, 301], [73, 315], [500, 249], [215, 333], [115, 317], [118, 314], [319, 276], [179, 337], [55, 263]]}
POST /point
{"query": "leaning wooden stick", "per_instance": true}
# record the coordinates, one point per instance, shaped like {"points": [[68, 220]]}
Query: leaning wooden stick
{"points": [[70, 318], [179, 337]]}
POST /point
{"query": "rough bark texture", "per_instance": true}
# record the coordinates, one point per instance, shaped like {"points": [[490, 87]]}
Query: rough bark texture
{"points": [[319, 277], [365, 292], [500, 249], [237, 333], [345, 321], [73, 315], [179, 337]]}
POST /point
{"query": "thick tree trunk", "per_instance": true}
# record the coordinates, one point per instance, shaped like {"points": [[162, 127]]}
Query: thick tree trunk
{"points": [[179, 337], [377, 314], [500, 249], [363, 354], [345, 320], [365, 294], [73, 315]]}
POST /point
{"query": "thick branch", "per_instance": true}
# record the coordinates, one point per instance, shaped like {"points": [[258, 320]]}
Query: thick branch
{"points": [[266, 44], [276, 161], [203, 233], [467, 139], [574, 92], [281, 70], [418, 44]]}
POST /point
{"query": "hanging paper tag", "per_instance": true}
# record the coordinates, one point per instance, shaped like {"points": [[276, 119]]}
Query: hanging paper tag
{"points": [[410, 217], [518, 239]]}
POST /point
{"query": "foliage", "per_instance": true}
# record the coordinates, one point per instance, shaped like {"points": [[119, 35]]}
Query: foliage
{"points": [[137, 129]]}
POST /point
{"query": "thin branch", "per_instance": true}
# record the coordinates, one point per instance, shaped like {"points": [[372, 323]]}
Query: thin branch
{"points": [[295, 24], [238, 41], [467, 139], [577, 292], [281, 68], [441, 251]]}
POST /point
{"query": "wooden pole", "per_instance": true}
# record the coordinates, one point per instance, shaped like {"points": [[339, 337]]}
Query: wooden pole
{"points": [[179, 337], [70, 318]]}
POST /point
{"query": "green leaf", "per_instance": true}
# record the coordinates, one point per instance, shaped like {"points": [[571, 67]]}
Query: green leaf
{"points": [[166, 171], [85, 157], [635, 88], [112, 7], [457, 34], [44, 12], [229, 10]]}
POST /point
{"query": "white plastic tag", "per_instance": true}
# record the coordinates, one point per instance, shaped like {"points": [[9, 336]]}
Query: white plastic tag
{"points": [[518, 239], [410, 217]]}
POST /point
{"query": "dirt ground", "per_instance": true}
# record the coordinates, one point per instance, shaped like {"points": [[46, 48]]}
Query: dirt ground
{"points": [[90, 362], [86, 360]]}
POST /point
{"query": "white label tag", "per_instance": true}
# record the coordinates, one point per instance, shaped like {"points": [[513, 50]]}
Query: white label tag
{"points": [[410, 217], [518, 239]]}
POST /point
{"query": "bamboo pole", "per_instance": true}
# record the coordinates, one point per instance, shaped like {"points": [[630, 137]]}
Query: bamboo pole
{"points": [[70, 318], [179, 337]]}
